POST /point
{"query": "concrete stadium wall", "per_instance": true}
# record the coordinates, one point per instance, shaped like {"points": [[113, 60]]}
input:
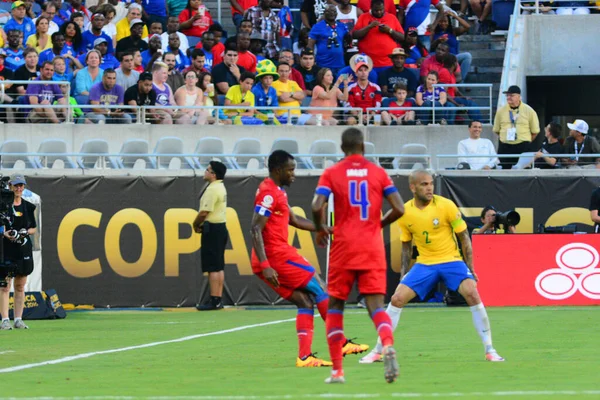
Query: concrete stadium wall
{"points": [[387, 140], [562, 45]]}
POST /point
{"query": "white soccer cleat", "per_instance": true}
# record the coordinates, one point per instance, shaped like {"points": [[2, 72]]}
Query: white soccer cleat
{"points": [[371, 358], [493, 356], [336, 377]]}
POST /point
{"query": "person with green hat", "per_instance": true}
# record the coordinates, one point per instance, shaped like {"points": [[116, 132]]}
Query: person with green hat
{"points": [[20, 21], [264, 94]]}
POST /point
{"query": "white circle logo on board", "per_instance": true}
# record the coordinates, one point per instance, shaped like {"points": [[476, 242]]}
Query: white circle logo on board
{"points": [[576, 271]]}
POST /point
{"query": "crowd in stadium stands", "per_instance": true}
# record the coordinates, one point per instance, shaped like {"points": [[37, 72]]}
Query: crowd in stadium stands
{"points": [[375, 54]]}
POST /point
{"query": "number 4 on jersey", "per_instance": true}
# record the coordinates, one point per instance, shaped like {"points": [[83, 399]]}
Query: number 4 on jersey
{"points": [[359, 197]]}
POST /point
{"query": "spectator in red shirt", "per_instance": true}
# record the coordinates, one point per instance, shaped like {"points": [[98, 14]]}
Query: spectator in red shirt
{"points": [[219, 48], [238, 8], [362, 94], [378, 33], [365, 6], [245, 58], [393, 115], [435, 62], [195, 19]]}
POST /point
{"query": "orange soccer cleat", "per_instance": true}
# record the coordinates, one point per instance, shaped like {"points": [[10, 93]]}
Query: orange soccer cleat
{"points": [[311, 361], [353, 348]]}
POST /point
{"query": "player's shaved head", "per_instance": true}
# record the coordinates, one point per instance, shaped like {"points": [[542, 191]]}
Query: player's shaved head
{"points": [[416, 175], [353, 141]]}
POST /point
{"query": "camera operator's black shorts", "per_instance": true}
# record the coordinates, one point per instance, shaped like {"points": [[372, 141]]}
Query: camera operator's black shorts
{"points": [[24, 260], [212, 252]]}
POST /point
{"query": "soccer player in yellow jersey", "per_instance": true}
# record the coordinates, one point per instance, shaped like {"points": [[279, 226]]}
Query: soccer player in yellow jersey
{"points": [[430, 222]]}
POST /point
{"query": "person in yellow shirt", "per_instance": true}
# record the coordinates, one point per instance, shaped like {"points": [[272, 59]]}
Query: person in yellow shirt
{"points": [[289, 93], [517, 125], [123, 26], [430, 222], [241, 95]]}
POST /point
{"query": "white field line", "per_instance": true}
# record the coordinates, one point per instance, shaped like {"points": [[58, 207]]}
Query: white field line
{"points": [[141, 346], [6, 352], [508, 394]]}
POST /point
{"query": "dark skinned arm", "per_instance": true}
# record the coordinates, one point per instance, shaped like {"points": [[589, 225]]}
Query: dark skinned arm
{"points": [[406, 257], [300, 222], [318, 206], [467, 250], [397, 210], [258, 224]]}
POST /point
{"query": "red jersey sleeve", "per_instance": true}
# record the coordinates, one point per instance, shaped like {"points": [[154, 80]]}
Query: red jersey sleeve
{"points": [[386, 183], [363, 21], [378, 97], [265, 202], [395, 24], [324, 186], [184, 15]]}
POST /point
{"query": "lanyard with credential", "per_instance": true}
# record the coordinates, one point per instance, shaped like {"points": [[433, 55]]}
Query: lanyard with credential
{"points": [[577, 153], [513, 118]]}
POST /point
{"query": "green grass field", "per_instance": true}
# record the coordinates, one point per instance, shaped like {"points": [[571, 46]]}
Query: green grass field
{"points": [[550, 352]]}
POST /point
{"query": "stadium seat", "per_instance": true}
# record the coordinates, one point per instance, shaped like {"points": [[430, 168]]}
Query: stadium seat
{"points": [[193, 41], [5, 6], [323, 147], [246, 146], [501, 12], [291, 146], [53, 146], [208, 145], [525, 161], [15, 146], [287, 144], [171, 145], [370, 149], [95, 146], [128, 155], [411, 157]]}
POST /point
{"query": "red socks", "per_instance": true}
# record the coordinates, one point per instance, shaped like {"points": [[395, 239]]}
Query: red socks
{"points": [[383, 324], [323, 307], [304, 327], [335, 336]]}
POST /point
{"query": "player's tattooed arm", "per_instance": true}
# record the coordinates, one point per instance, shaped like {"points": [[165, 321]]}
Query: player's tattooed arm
{"points": [[467, 250], [406, 257], [300, 222], [258, 224], [396, 211]]}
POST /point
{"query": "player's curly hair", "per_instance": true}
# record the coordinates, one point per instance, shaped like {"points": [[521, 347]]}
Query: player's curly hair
{"points": [[278, 158]]}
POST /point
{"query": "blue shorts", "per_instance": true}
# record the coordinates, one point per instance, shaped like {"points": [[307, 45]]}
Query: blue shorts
{"points": [[422, 278]]}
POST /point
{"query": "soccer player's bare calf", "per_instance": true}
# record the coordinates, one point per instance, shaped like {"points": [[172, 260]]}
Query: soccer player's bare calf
{"points": [[430, 223]]}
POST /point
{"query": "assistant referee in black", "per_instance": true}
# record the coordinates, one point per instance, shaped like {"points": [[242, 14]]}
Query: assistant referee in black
{"points": [[210, 222], [595, 210]]}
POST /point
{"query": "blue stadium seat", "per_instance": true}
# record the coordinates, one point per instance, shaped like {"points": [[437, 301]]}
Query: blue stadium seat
{"points": [[129, 154], [501, 12], [53, 146], [208, 145], [246, 146], [15, 146], [171, 145], [193, 41]]}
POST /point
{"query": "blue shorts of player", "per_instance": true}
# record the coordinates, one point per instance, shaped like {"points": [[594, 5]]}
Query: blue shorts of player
{"points": [[422, 278], [316, 290]]}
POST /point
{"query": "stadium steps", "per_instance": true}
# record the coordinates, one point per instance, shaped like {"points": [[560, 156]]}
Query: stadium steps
{"points": [[488, 57]]}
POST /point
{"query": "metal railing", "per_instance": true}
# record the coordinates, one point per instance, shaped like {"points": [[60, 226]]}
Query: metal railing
{"points": [[375, 110], [536, 7], [308, 161], [507, 64], [526, 159]]}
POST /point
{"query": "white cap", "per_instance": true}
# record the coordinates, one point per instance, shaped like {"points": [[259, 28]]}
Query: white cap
{"points": [[579, 125]]}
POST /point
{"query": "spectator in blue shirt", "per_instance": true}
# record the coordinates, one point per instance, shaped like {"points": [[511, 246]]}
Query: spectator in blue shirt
{"points": [[20, 21], [153, 53], [157, 12], [60, 49], [264, 94], [95, 32], [14, 51], [182, 60], [330, 37]]}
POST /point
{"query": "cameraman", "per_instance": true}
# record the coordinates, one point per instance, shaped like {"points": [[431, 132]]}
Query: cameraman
{"points": [[18, 249], [488, 218]]}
